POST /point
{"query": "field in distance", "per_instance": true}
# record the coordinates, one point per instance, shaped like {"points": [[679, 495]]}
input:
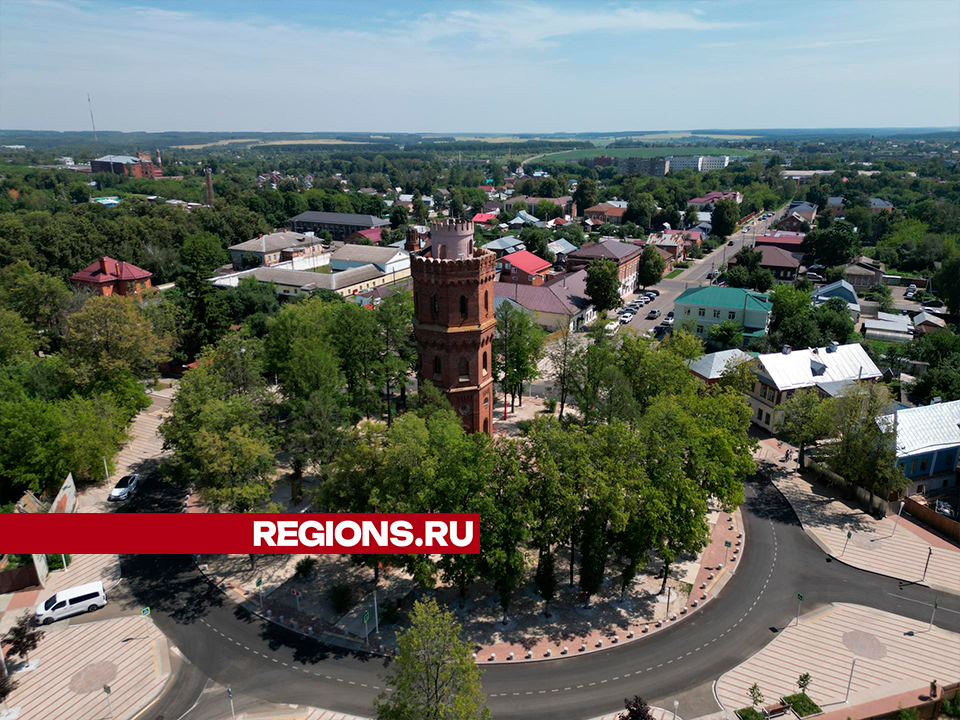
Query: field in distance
{"points": [[647, 152]]}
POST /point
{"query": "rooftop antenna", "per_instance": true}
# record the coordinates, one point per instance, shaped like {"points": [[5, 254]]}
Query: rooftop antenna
{"points": [[90, 105]]}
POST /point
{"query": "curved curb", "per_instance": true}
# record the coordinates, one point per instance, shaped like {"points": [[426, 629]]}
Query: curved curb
{"points": [[342, 642], [666, 624], [830, 552]]}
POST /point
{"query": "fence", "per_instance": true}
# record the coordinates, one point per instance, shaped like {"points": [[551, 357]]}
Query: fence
{"points": [[948, 526], [13, 580]]}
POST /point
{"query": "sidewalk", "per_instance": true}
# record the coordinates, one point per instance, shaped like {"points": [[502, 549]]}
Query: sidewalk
{"points": [[130, 655], [896, 655], [657, 713], [82, 569], [887, 547]]}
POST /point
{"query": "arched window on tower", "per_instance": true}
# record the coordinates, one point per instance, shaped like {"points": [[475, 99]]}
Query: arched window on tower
{"points": [[435, 305], [463, 307], [464, 369], [436, 367], [484, 362], [486, 301]]}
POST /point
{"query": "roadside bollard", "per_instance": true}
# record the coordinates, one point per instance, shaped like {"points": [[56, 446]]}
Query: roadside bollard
{"points": [[646, 628], [549, 652], [600, 643], [510, 656], [529, 654], [566, 650], [616, 639], [493, 656], [583, 646], [630, 634]]}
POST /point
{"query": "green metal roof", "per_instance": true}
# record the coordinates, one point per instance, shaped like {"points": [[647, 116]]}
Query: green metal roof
{"points": [[725, 297]]}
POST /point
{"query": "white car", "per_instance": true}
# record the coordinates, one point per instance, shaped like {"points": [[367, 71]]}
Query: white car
{"points": [[627, 317], [668, 321], [125, 487], [611, 328]]}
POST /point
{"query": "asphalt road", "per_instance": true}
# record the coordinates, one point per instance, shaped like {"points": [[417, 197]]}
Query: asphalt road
{"points": [[261, 661], [695, 276]]}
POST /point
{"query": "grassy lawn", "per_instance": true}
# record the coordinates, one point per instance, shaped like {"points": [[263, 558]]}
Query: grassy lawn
{"points": [[802, 704], [748, 713], [325, 269], [647, 152], [673, 273]]}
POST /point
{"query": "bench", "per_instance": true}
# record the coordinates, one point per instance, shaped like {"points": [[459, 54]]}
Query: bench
{"points": [[775, 710]]}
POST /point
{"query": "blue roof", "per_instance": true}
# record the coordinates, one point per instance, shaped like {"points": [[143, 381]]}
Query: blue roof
{"points": [[504, 243]]}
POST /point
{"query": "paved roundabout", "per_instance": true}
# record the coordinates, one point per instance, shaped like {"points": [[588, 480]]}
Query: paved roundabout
{"points": [[259, 659]]}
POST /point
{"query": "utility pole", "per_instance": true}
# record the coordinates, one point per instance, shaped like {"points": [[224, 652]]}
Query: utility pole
{"points": [[897, 521], [936, 604], [850, 681], [927, 564]]}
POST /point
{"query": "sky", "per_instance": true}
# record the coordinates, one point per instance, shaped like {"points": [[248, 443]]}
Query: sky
{"points": [[484, 66]]}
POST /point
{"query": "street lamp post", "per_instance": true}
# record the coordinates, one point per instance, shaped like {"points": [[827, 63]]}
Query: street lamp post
{"points": [[927, 564], [850, 681], [233, 712], [676, 704], [936, 603], [667, 616], [897, 521]]}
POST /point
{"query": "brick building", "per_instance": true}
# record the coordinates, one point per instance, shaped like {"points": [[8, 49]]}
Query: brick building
{"points": [[340, 225], [453, 321], [626, 256], [113, 277], [141, 166]]}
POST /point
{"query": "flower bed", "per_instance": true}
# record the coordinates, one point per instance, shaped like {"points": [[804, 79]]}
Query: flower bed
{"points": [[802, 704]]}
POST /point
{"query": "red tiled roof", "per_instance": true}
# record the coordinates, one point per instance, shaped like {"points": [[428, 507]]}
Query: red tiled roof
{"points": [[484, 217], [107, 270], [526, 261], [374, 235], [780, 238], [615, 212]]}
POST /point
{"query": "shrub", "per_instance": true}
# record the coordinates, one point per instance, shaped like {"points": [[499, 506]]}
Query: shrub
{"points": [[951, 708], [802, 704], [908, 713], [305, 567], [749, 713], [341, 597], [55, 562], [551, 405]]}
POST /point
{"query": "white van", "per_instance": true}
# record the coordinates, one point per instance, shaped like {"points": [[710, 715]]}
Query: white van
{"points": [[75, 600], [611, 328]]}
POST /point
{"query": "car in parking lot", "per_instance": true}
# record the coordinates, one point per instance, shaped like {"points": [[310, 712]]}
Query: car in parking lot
{"points": [[654, 313], [653, 293], [611, 328], [909, 295], [944, 509], [730, 243], [624, 319], [670, 314], [125, 487], [668, 321], [746, 228], [814, 276]]}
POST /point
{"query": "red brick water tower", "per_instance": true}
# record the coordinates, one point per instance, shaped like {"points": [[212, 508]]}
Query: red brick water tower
{"points": [[453, 321]]}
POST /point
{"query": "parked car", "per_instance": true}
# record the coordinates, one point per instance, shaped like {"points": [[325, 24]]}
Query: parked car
{"points": [[730, 243], [72, 601], [814, 276], [746, 228], [624, 319], [611, 328], [712, 274], [912, 287], [653, 293], [934, 303], [668, 321], [670, 314], [654, 313], [944, 509], [643, 300], [125, 487], [909, 295]]}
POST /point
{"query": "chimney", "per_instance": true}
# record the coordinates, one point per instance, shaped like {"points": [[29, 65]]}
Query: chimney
{"points": [[936, 400], [209, 188], [103, 266], [159, 163], [833, 346], [787, 349]]}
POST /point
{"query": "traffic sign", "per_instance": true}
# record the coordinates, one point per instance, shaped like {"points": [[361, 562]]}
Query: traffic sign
{"points": [[145, 611], [296, 593], [849, 534], [726, 543], [366, 616], [229, 693], [106, 689], [259, 581], [799, 597]]}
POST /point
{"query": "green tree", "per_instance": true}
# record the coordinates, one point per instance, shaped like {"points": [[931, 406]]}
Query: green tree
{"points": [[546, 580], [561, 355], [803, 682], [691, 217], [90, 429], [547, 210], [420, 211], [585, 195], [30, 456], [40, 299], [728, 334], [398, 216], [79, 192], [651, 268], [203, 253], [804, 420], [756, 697], [434, 675], [636, 709], [399, 348], [603, 285], [110, 335], [725, 216], [945, 283], [864, 451], [836, 245], [517, 349], [18, 339]]}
